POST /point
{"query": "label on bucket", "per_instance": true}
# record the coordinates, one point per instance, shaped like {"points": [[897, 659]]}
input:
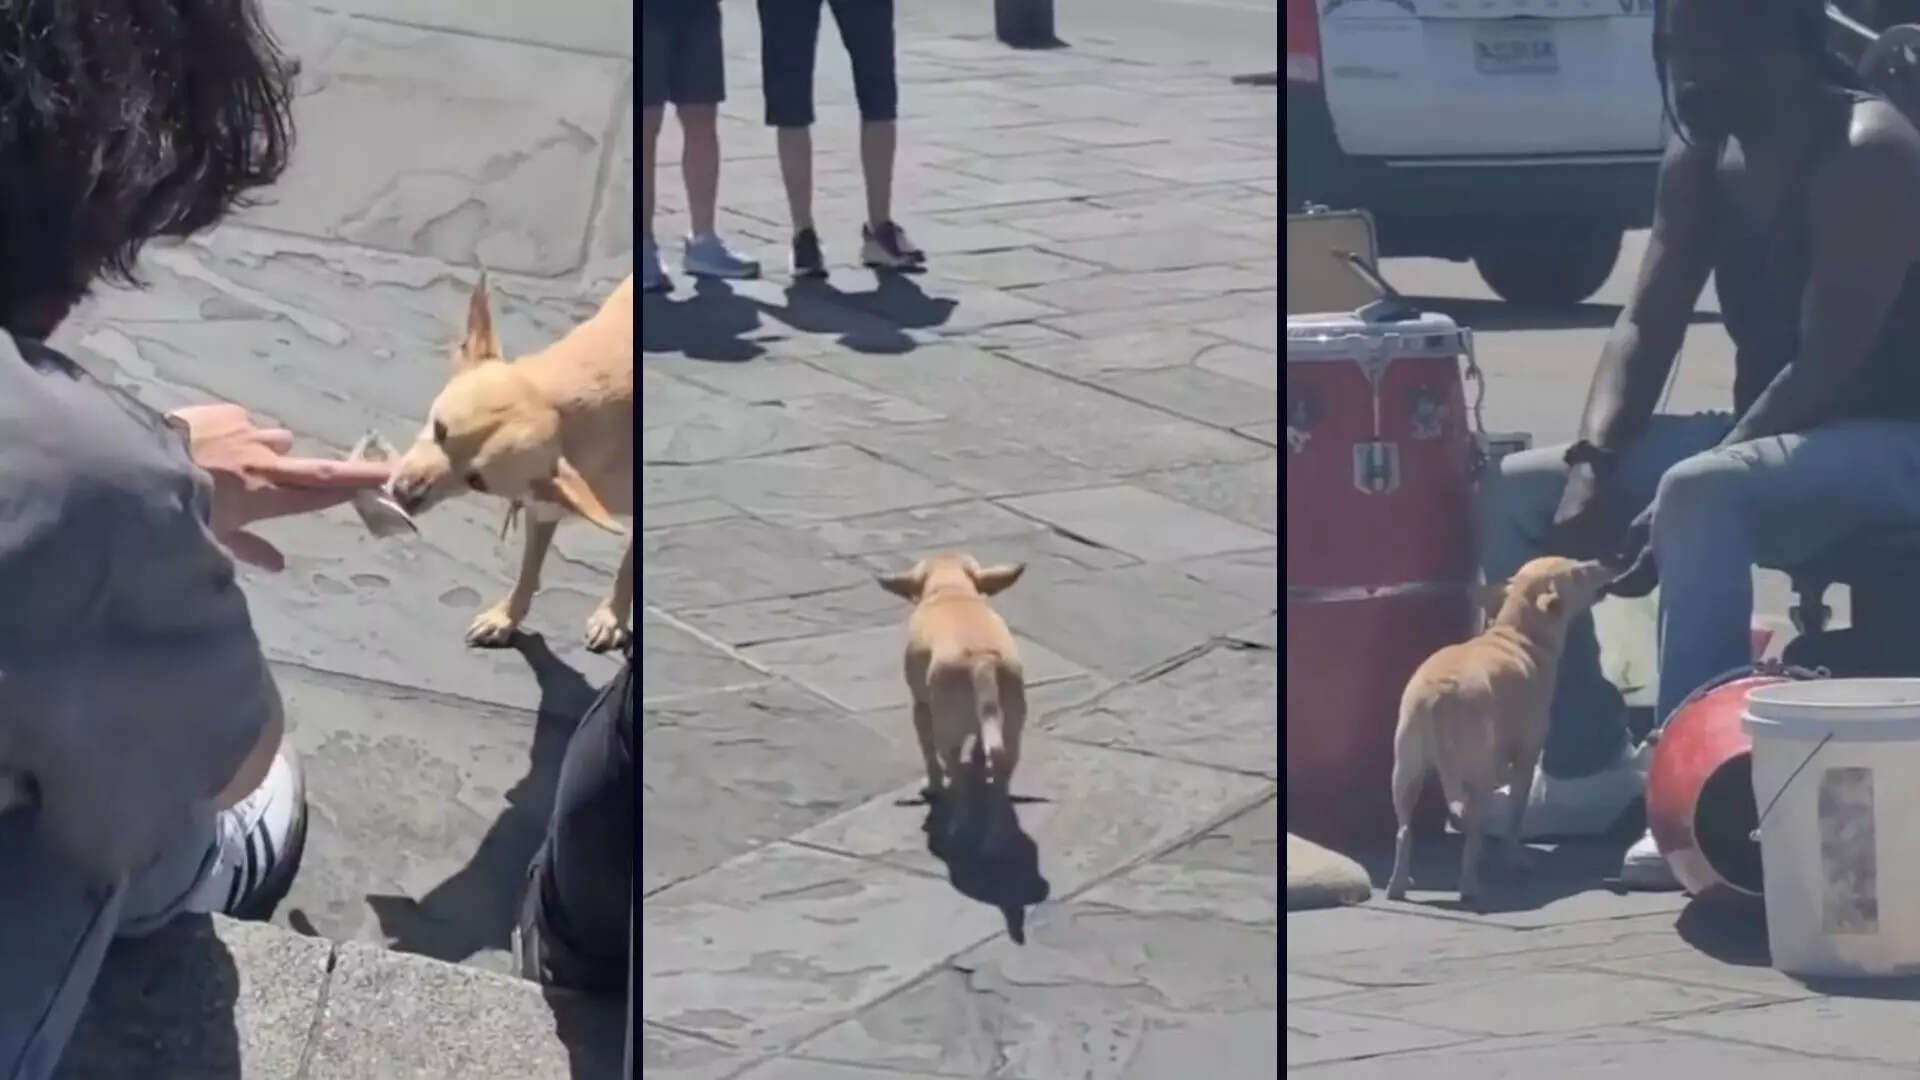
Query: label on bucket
{"points": [[1851, 873]]}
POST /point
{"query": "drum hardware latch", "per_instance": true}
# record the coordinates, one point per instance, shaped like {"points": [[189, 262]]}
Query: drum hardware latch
{"points": [[1376, 467]]}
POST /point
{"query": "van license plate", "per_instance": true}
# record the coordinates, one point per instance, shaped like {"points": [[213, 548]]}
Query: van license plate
{"points": [[1515, 47]]}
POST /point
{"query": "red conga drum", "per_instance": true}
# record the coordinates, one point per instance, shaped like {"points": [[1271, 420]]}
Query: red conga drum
{"points": [[1381, 568], [1700, 804]]}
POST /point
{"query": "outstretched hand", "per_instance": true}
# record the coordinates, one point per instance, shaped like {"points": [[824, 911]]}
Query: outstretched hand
{"points": [[254, 479]]}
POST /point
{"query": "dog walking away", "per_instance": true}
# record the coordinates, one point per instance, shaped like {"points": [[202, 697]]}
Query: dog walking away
{"points": [[551, 432], [969, 695], [1476, 712]]}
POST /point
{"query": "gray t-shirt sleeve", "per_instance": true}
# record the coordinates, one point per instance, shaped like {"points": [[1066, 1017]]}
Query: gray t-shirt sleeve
{"points": [[131, 683]]}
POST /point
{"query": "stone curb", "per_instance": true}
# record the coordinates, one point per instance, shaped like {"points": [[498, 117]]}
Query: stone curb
{"points": [[253, 1001], [1320, 878]]}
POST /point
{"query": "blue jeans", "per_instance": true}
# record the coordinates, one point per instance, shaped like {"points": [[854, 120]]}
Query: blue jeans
{"points": [[55, 929], [1717, 514]]}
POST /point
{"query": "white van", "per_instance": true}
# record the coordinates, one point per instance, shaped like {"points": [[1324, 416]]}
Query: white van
{"points": [[1522, 134]]}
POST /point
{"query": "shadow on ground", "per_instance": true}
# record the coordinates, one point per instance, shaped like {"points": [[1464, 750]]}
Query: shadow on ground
{"points": [[1735, 932], [475, 908], [1547, 874], [872, 321], [1500, 315], [1009, 879], [163, 1006], [708, 325]]}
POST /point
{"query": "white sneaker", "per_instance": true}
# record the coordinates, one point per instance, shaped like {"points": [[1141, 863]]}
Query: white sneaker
{"points": [[1644, 868], [261, 839], [1583, 806], [653, 279], [707, 256]]}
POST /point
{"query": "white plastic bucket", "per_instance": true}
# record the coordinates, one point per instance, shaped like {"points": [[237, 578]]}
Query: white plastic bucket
{"points": [[1836, 781]]}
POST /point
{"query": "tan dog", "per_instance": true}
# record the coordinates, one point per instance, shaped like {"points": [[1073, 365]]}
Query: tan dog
{"points": [[969, 695], [552, 432], [1476, 712]]}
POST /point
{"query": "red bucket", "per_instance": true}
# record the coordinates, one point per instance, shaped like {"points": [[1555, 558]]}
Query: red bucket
{"points": [[1700, 787]]}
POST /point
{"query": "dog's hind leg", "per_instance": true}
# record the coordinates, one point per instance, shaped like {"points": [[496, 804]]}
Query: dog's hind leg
{"points": [[1408, 778], [607, 626], [494, 627], [1473, 813]]}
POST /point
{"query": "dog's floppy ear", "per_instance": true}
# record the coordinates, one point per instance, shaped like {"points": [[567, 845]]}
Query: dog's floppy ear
{"points": [[907, 584], [567, 488], [1549, 600], [993, 579], [480, 344]]}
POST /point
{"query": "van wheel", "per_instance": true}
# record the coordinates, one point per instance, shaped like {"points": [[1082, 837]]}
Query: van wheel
{"points": [[1555, 267]]}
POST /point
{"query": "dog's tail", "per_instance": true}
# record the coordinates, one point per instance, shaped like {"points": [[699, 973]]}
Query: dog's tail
{"points": [[986, 704]]}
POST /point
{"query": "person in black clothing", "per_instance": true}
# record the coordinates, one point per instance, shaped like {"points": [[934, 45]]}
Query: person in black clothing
{"points": [[1800, 192], [575, 928]]}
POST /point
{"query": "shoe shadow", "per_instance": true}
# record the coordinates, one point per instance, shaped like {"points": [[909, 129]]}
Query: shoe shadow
{"points": [[873, 321], [1734, 932], [476, 907], [1008, 879], [708, 325]]}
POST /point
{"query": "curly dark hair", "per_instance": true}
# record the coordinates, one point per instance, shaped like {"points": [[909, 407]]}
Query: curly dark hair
{"points": [[121, 121], [1801, 25]]}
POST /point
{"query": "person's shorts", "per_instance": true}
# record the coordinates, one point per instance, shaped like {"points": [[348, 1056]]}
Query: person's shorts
{"points": [[789, 35], [681, 58]]}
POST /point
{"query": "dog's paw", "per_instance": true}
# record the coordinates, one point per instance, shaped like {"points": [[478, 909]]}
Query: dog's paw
{"points": [[492, 629], [606, 630]]}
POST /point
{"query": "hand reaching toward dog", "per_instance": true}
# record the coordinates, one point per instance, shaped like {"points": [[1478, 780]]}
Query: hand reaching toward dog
{"points": [[254, 479], [1636, 554]]}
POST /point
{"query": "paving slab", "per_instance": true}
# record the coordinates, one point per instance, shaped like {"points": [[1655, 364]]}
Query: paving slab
{"points": [[780, 943], [675, 663], [1087, 812], [1217, 708], [735, 559], [1127, 620], [860, 669], [1132, 980], [1146, 525], [726, 772]]}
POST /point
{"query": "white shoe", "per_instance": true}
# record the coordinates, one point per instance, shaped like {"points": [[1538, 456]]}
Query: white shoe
{"points": [[653, 279], [707, 256], [261, 839], [1645, 869], [1583, 806]]}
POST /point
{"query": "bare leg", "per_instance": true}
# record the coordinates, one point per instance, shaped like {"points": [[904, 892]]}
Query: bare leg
{"points": [[795, 146], [650, 118], [877, 142], [700, 164], [494, 627], [607, 626]]}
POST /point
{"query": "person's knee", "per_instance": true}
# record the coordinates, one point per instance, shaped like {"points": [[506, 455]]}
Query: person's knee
{"points": [[700, 122], [1699, 499]]}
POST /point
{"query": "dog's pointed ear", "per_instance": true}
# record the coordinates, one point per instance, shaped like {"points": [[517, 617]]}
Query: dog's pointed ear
{"points": [[568, 489], [480, 343], [1549, 600], [906, 584], [993, 579]]}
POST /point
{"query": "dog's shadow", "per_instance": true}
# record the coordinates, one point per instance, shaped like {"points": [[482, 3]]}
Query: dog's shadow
{"points": [[476, 907], [1008, 879], [1546, 873]]}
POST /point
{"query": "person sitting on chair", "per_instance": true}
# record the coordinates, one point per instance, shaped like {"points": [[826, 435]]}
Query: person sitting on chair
{"points": [[1796, 190]]}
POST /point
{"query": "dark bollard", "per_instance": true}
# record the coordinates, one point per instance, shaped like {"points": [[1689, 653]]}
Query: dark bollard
{"points": [[1024, 24]]}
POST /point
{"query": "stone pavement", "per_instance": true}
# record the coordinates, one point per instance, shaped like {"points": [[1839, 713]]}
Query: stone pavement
{"points": [[433, 137], [1085, 380], [1568, 978]]}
